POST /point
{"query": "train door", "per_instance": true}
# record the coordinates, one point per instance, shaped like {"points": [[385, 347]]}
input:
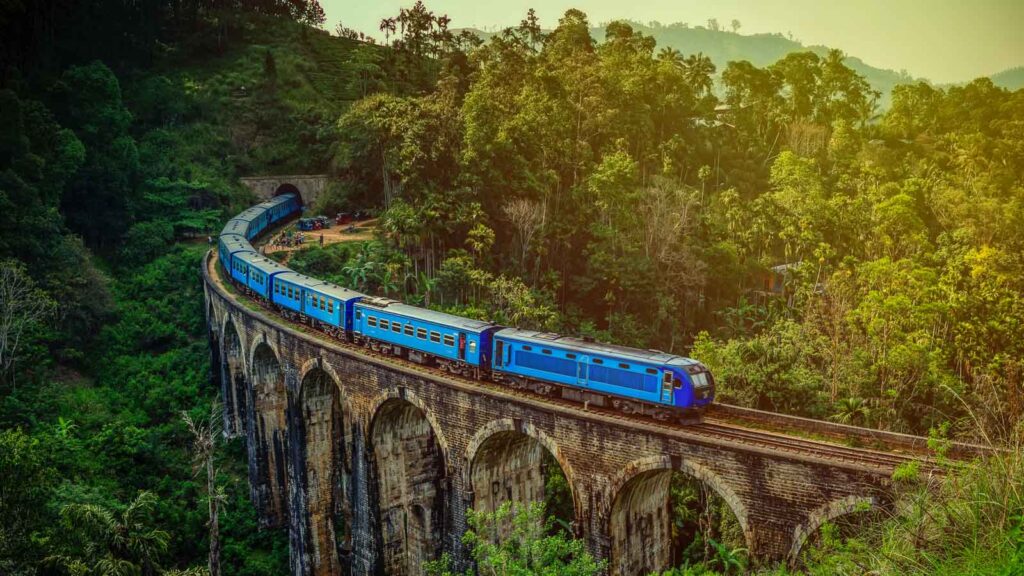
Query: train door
{"points": [[666, 387], [462, 346], [582, 370], [499, 353]]}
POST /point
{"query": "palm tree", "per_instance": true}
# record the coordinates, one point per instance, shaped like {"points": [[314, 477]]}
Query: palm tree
{"points": [[671, 55], [387, 26], [113, 544], [852, 410], [699, 70], [358, 271]]}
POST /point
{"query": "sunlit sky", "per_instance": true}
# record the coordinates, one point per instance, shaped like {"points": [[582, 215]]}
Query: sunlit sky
{"points": [[942, 40]]}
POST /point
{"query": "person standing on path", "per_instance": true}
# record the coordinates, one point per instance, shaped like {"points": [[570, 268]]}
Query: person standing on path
{"points": [[321, 239]]}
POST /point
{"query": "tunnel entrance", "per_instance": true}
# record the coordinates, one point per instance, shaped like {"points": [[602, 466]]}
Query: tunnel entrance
{"points": [[289, 189]]}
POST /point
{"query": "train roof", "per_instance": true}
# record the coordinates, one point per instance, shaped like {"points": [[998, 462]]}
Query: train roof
{"points": [[235, 226], [300, 280], [250, 213], [589, 347], [277, 200], [235, 242], [264, 264], [335, 291], [426, 315]]}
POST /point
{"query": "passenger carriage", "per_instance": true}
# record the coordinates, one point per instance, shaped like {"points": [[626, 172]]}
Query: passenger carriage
{"points": [[232, 247], [288, 292], [332, 306], [459, 345], [261, 273]]}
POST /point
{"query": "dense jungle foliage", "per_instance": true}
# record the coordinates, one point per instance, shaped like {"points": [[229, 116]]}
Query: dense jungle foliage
{"points": [[823, 257]]}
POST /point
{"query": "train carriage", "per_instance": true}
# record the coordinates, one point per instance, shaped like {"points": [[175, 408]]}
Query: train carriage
{"points": [[460, 345], [331, 304], [289, 288], [237, 226], [261, 272], [526, 357], [232, 247], [281, 207]]}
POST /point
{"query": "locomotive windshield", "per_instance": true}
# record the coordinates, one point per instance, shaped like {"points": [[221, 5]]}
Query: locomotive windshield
{"points": [[700, 380]]}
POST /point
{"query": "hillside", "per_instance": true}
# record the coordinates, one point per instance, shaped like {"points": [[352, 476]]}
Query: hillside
{"points": [[110, 166], [1012, 79]]}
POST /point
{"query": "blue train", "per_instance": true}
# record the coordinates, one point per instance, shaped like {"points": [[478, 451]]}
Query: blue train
{"points": [[646, 382]]}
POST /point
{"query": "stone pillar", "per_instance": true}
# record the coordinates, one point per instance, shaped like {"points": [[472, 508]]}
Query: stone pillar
{"points": [[364, 538]]}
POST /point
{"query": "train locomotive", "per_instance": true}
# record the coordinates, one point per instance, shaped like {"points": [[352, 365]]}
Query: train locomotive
{"points": [[645, 382]]}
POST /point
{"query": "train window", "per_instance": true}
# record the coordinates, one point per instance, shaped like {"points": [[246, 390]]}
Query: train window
{"points": [[527, 348], [409, 330], [449, 340], [546, 351], [359, 314], [434, 336], [570, 356], [598, 361], [396, 327], [371, 320], [472, 346], [323, 303], [421, 333], [623, 366], [330, 306], [384, 324], [651, 371]]}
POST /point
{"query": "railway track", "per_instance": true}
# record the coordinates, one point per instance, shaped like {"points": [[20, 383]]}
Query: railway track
{"points": [[713, 429]]}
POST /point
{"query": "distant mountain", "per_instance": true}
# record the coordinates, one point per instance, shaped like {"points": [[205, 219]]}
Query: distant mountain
{"points": [[1012, 79], [759, 49]]}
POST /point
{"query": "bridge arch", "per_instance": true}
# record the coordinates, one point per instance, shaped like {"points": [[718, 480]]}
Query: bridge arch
{"points": [[639, 521], [268, 454], [234, 387], [408, 468], [505, 462], [827, 513], [321, 472], [395, 392]]}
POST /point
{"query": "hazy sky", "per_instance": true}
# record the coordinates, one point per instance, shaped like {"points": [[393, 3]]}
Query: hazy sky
{"points": [[943, 40]]}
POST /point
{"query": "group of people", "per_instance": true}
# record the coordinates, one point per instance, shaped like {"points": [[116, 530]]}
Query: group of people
{"points": [[290, 238]]}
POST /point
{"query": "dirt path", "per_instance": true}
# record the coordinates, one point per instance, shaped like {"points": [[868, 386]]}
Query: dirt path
{"points": [[364, 230]]}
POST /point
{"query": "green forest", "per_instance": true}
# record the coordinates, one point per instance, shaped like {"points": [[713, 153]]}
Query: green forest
{"points": [[825, 257]]}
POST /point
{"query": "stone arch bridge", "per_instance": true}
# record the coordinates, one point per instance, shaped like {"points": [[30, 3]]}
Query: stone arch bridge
{"points": [[372, 465]]}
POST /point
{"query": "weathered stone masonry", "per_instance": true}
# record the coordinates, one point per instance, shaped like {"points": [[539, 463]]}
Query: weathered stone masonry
{"points": [[372, 466]]}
